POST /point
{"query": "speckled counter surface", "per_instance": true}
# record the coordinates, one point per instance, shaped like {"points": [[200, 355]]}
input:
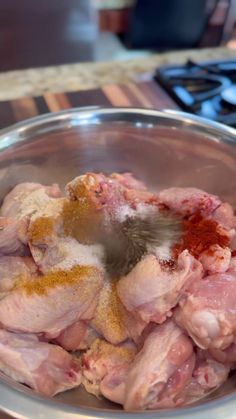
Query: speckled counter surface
{"points": [[34, 82]]}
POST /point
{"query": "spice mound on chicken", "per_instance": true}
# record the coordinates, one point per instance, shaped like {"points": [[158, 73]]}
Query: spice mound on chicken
{"points": [[89, 297]]}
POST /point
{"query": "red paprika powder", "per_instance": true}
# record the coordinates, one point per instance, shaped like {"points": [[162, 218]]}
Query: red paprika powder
{"points": [[199, 234]]}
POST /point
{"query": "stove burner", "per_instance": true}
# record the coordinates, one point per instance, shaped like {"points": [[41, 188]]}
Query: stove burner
{"points": [[206, 89], [202, 87], [228, 95]]}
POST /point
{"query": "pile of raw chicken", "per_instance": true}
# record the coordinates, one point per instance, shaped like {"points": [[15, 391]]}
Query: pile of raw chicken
{"points": [[161, 336]]}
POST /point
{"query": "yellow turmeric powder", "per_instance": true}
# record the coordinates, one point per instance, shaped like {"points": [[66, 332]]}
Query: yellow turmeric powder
{"points": [[41, 284]]}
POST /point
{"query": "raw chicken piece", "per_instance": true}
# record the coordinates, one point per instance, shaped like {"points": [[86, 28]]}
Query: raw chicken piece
{"points": [[216, 259], [164, 352], [113, 385], [78, 336], [207, 376], [109, 193], [58, 236], [150, 290], [36, 202], [66, 253], [104, 359], [22, 202], [134, 326], [128, 181], [108, 319], [50, 303], [173, 378], [46, 368], [52, 253], [12, 268], [72, 336], [208, 312], [96, 189], [136, 197], [227, 356], [232, 265], [98, 203], [27, 196], [170, 394], [46, 224], [135, 192], [13, 236], [12, 201], [187, 201], [112, 320], [224, 215]]}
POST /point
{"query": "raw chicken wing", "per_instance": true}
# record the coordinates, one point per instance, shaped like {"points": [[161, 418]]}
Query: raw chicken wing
{"points": [[208, 312], [227, 356], [154, 369], [12, 268], [150, 290], [112, 320], [78, 336], [207, 376], [46, 368], [13, 236], [109, 193], [104, 359], [27, 198], [224, 215], [66, 253], [188, 201], [216, 259], [48, 304]]}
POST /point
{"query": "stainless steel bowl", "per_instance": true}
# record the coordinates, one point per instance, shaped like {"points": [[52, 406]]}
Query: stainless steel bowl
{"points": [[162, 148]]}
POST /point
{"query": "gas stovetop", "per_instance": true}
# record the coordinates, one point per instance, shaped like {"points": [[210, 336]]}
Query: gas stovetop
{"points": [[206, 89]]}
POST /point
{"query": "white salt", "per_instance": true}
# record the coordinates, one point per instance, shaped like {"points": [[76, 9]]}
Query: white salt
{"points": [[35, 201], [163, 252], [75, 253], [146, 210], [124, 212], [142, 211]]}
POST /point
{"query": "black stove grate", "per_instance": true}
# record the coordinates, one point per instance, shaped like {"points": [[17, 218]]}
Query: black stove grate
{"points": [[205, 89]]}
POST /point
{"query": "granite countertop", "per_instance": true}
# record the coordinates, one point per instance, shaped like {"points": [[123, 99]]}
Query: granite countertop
{"points": [[113, 4], [34, 82]]}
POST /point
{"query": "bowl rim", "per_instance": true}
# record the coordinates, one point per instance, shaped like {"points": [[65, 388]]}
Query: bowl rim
{"points": [[27, 401], [87, 112]]}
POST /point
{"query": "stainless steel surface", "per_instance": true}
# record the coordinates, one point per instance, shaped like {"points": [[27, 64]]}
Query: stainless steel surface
{"points": [[163, 149]]}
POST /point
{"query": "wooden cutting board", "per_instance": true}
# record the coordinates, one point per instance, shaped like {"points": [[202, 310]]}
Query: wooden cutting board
{"points": [[145, 94]]}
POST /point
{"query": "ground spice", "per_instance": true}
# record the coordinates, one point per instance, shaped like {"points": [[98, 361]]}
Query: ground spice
{"points": [[41, 229], [41, 284], [81, 220], [199, 234], [78, 219], [86, 188], [109, 313], [81, 217], [102, 348]]}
